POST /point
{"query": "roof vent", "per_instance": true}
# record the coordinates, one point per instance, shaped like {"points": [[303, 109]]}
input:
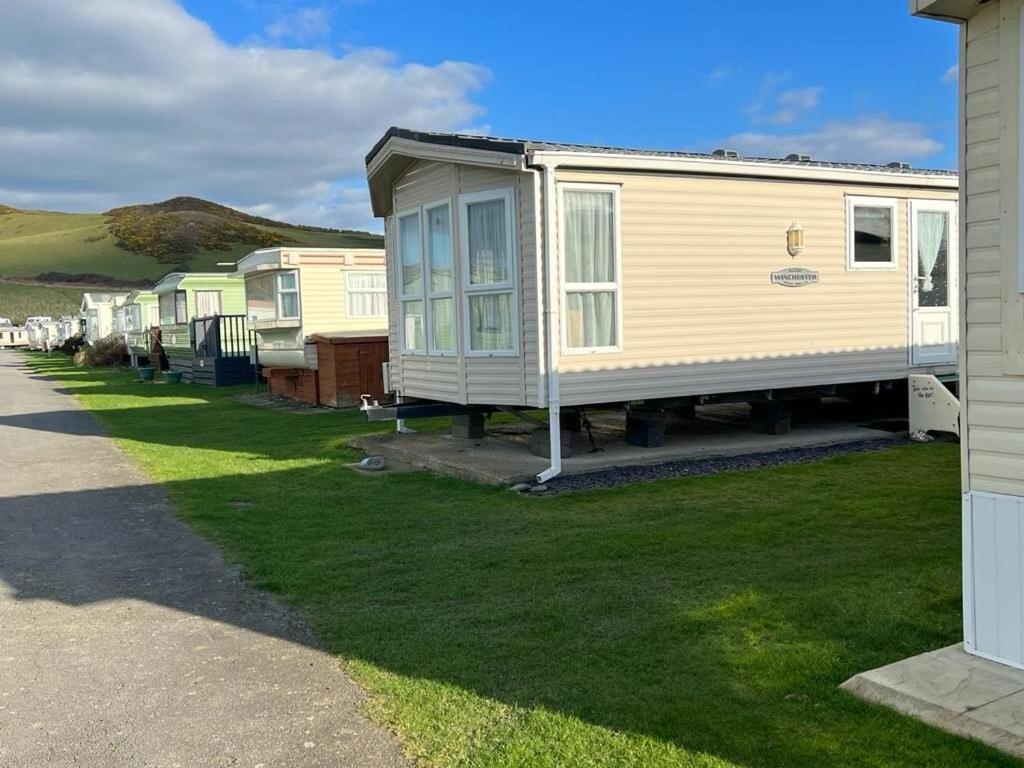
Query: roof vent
{"points": [[799, 158], [899, 166], [730, 154]]}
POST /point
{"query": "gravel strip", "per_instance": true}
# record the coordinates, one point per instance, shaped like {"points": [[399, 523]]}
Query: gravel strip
{"points": [[609, 478]]}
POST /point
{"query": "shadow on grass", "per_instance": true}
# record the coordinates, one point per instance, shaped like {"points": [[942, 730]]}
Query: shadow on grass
{"points": [[712, 614]]}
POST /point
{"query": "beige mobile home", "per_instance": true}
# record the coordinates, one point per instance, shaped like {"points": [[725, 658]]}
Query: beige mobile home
{"points": [[13, 336], [294, 293], [992, 359], [532, 274]]}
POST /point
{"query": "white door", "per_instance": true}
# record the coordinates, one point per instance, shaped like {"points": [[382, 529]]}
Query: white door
{"points": [[933, 282]]}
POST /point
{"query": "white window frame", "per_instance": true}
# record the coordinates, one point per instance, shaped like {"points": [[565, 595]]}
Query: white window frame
{"points": [[567, 288], [280, 291], [349, 292], [429, 293], [511, 286], [853, 202], [220, 298], [400, 281]]}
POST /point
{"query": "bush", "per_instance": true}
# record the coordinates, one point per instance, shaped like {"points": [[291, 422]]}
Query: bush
{"points": [[71, 346], [108, 351]]}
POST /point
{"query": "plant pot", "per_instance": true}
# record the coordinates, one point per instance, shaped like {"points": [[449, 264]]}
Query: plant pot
{"points": [[172, 377], [146, 374]]}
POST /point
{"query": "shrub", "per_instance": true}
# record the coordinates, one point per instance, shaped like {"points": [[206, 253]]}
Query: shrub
{"points": [[71, 346], [108, 351]]}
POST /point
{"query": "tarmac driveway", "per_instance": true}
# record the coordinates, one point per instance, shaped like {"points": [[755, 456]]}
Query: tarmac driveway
{"points": [[125, 640]]}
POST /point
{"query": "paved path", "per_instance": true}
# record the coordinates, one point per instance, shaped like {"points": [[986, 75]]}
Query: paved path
{"points": [[124, 639]]}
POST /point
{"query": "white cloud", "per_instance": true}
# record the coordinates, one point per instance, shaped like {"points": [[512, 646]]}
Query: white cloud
{"points": [[795, 103], [863, 139], [719, 74], [951, 75], [301, 24], [116, 101]]}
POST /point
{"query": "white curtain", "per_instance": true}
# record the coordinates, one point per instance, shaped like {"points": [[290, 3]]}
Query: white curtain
{"points": [[490, 321], [488, 257], [367, 294], [589, 235], [207, 303], [442, 324], [411, 253], [439, 243], [590, 258], [412, 312], [931, 232]]}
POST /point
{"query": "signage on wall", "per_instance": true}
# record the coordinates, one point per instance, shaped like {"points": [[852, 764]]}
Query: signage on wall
{"points": [[794, 277]]}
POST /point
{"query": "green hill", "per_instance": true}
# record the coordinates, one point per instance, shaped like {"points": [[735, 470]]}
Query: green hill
{"points": [[144, 242], [56, 253]]}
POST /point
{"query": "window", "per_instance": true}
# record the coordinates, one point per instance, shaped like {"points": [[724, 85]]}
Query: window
{"points": [[871, 233], [410, 253], [272, 296], [133, 318], [288, 295], [207, 303], [590, 254], [153, 316], [442, 280], [489, 272], [366, 294], [173, 308]]}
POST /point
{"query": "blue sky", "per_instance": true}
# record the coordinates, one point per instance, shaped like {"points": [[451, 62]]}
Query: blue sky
{"points": [[663, 74], [271, 105]]}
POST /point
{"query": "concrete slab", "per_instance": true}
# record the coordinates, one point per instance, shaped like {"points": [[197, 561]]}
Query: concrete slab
{"points": [[953, 690], [503, 457]]}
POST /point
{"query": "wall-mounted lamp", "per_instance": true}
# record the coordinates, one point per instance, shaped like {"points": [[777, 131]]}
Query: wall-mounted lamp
{"points": [[795, 239]]}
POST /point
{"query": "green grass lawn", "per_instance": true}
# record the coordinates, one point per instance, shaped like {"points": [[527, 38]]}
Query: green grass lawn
{"points": [[694, 622]]}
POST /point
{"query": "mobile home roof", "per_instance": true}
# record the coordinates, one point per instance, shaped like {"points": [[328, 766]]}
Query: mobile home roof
{"points": [[399, 147]]}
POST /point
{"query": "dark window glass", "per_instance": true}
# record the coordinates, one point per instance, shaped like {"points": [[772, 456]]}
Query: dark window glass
{"points": [[872, 235]]}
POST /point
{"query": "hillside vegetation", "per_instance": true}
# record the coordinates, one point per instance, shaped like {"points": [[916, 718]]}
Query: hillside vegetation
{"points": [[144, 242], [21, 300]]}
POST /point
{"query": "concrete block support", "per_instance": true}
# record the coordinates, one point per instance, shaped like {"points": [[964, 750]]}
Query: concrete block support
{"points": [[770, 418], [645, 429], [469, 426]]}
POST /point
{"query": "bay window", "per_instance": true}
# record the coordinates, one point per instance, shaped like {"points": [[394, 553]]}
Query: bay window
{"points": [[427, 285], [488, 266], [366, 294], [173, 308], [272, 296], [591, 284]]}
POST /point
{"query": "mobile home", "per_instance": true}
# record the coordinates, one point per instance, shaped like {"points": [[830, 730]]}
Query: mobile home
{"points": [[992, 290], [298, 297], [541, 275], [13, 336], [293, 293], [141, 326], [203, 331], [97, 314]]}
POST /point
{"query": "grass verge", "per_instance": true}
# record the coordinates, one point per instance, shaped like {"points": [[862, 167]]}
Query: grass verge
{"points": [[691, 622]]}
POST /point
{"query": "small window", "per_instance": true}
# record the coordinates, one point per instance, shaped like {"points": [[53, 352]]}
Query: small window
{"points": [[173, 308], [591, 271], [288, 295], [489, 270], [260, 303], [207, 303], [180, 307], [366, 294], [872, 233]]}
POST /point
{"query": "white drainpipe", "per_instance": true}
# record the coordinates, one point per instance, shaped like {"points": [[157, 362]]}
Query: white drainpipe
{"points": [[551, 304]]}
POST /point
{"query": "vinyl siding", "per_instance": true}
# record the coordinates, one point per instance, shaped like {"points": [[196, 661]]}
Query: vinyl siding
{"points": [[993, 398], [455, 377], [699, 313]]}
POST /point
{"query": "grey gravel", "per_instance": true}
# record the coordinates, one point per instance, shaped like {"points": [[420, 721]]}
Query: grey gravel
{"points": [[616, 476]]}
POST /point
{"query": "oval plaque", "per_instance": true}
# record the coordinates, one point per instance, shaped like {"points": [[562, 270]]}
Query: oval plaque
{"points": [[794, 277]]}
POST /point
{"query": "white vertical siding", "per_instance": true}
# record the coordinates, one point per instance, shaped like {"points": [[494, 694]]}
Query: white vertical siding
{"points": [[994, 576], [994, 391]]}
